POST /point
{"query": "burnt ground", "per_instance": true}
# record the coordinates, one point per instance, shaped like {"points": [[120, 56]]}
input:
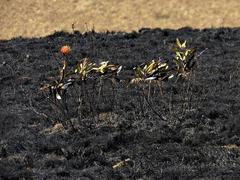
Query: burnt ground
{"points": [[200, 138]]}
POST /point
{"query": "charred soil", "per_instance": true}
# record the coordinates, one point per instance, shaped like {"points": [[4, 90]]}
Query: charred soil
{"points": [[120, 136]]}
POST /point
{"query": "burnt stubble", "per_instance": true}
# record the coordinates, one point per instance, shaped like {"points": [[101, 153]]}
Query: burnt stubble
{"points": [[199, 137]]}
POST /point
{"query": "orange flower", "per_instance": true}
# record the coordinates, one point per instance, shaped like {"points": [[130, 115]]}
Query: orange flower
{"points": [[65, 50]]}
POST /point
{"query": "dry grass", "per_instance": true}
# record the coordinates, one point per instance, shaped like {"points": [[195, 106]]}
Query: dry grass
{"points": [[38, 18]]}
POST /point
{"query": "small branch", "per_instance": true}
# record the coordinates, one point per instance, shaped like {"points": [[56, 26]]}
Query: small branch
{"points": [[37, 112], [159, 115]]}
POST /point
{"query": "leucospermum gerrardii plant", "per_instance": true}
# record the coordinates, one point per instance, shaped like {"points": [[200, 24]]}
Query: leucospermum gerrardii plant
{"points": [[153, 71], [183, 58], [106, 68], [58, 88]]}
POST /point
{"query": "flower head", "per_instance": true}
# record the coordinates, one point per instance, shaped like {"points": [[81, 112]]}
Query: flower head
{"points": [[65, 50]]}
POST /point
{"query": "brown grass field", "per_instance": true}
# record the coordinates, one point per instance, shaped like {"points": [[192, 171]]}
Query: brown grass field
{"points": [[30, 18]]}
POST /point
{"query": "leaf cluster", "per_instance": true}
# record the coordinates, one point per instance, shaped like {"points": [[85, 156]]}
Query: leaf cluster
{"points": [[84, 69], [183, 58], [153, 70]]}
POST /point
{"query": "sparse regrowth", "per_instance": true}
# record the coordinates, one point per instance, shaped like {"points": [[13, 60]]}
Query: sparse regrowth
{"points": [[153, 72]]}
